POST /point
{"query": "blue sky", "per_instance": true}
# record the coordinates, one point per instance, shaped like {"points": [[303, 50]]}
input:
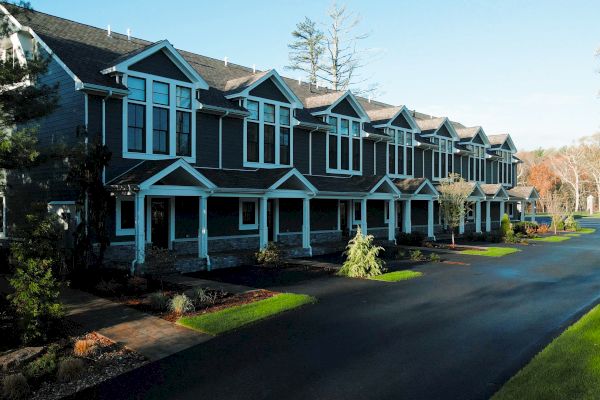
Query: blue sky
{"points": [[527, 68]]}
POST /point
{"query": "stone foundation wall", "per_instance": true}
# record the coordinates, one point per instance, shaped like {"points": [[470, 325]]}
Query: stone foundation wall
{"points": [[232, 244]]}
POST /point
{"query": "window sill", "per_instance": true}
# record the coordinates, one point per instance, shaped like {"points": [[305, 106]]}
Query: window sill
{"points": [[343, 172], [125, 232], [146, 156], [265, 165]]}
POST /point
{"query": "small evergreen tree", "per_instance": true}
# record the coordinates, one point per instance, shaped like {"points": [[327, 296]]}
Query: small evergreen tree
{"points": [[362, 257], [506, 228]]}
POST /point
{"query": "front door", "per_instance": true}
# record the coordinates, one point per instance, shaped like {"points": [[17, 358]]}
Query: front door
{"points": [[344, 218], [159, 226]]}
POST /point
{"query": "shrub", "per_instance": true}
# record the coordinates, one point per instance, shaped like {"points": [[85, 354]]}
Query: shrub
{"points": [[400, 254], [15, 387], [560, 225], [410, 239], [158, 301], [362, 257], [35, 298], [416, 255], [84, 347], [70, 368], [571, 224], [181, 304], [202, 296], [543, 229], [43, 366], [270, 256], [433, 257], [474, 237], [524, 227], [505, 226], [493, 237]]}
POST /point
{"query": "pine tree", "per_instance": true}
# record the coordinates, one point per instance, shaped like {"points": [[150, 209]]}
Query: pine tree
{"points": [[362, 257], [307, 49]]}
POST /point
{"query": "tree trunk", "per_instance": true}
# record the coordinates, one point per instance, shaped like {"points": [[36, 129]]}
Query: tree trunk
{"points": [[453, 243]]}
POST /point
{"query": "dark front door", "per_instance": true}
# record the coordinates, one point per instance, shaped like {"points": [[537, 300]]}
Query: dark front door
{"points": [[344, 218], [159, 215]]}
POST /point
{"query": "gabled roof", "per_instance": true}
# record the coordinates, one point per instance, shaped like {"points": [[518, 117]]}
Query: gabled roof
{"points": [[323, 104], [345, 183], [415, 186], [467, 134], [494, 190], [431, 126], [499, 140], [524, 193], [383, 117], [241, 87]]}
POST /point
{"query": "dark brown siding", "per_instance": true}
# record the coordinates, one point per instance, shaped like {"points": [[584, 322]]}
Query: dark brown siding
{"points": [[428, 173], [223, 217], [207, 140], [401, 122], [381, 158], [419, 173], [268, 90], [159, 64], [233, 137], [318, 153], [114, 140], [345, 108], [368, 157], [301, 150]]}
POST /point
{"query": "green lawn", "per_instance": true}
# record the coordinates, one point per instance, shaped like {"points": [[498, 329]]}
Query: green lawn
{"points": [[568, 368], [573, 234], [586, 230], [552, 239], [235, 317], [397, 276], [491, 251]]}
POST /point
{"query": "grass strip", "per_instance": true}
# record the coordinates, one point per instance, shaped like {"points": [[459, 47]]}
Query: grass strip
{"points": [[552, 239], [231, 318], [566, 369], [586, 230], [397, 276], [491, 251]]}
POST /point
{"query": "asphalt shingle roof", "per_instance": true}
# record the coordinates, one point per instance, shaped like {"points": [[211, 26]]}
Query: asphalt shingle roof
{"points": [[239, 179], [409, 186], [344, 184]]}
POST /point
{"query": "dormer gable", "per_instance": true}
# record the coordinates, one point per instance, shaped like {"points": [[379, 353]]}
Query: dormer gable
{"points": [[502, 142], [342, 103], [398, 117], [441, 127], [268, 85], [473, 135]]}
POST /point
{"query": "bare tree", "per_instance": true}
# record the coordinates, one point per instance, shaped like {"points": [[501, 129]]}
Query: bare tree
{"points": [[307, 49], [557, 205], [591, 155], [569, 166], [454, 193]]}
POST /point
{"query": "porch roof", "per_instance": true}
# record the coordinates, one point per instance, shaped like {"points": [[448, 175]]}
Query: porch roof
{"points": [[345, 183], [523, 193], [244, 179], [143, 171], [413, 186]]}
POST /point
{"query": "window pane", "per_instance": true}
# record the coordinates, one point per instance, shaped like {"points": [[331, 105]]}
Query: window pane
{"points": [[183, 133], [136, 121], [160, 130], [284, 116], [449, 146], [409, 139], [392, 159], [344, 127], [355, 129], [252, 145], [269, 113], [137, 88], [333, 124], [127, 214], [409, 162], [400, 139], [184, 97], [248, 213], [332, 151], [160, 93], [284, 146], [401, 160], [269, 154], [345, 153], [253, 109], [356, 154]]}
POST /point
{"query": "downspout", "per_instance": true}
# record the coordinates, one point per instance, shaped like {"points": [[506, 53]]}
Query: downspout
{"points": [[221, 139], [110, 92]]}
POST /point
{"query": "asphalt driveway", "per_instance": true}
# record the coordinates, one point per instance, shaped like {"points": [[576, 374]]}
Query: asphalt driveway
{"points": [[458, 332]]}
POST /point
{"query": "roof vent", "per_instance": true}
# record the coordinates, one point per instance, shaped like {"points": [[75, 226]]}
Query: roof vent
{"points": [[253, 68], [317, 83], [128, 33], [299, 81], [108, 31], [370, 97], [226, 60]]}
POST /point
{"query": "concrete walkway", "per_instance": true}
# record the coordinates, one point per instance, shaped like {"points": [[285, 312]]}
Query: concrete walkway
{"points": [[151, 336]]}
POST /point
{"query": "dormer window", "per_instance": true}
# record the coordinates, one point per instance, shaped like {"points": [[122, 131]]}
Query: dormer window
{"points": [[268, 134], [184, 97], [137, 89], [443, 160], [400, 152], [505, 171], [477, 163], [344, 145]]}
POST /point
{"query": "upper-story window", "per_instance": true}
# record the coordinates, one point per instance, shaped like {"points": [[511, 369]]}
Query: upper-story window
{"points": [[268, 133], [400, 152], [159, 119], [344, 145], [505, 170], [443, 160], [477, 163]]}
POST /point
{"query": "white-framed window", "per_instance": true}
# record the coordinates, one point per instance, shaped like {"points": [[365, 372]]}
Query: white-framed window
{"points": [[443, 158], [400, 152], [505, 169], [125, 216], [356, 212], [476, 163], [248, 214], [158, 118], [268, 134], [344, 145], [2, 216]]}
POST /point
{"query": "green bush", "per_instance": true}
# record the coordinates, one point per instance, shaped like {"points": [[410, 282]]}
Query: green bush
{"points": [[362, 257], [525, 227], [158, 301], [416, 255], [181, 304], [433, 257], [43, 366], [560, 225], [15, 387], [571, 224], [270, 256], [505, 226], [410, 239]]}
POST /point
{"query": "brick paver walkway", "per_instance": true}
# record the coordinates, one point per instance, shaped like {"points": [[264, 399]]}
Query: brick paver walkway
{"points": [[206, 283], [150, 336]]}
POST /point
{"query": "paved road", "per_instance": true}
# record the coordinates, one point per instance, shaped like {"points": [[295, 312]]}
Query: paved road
{"points": [[458, 332]]}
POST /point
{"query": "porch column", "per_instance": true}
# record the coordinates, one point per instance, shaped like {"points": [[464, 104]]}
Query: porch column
{"points": [[392, 220], [406, 217], [276, 220], [478, 216], [523, 208], [430, 215], [533, 210], [501, 210], [202, 231], [263, 229], [363, 216], [140, 229], [306, 224], [488, 216]]}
